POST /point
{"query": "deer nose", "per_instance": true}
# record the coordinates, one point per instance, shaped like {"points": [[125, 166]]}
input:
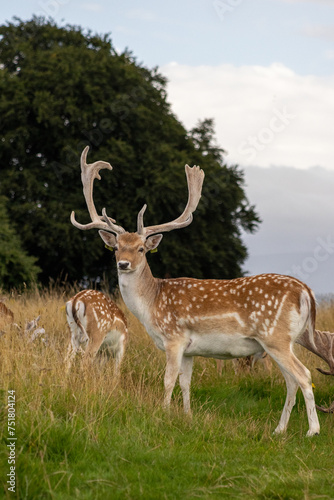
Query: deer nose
{"points": [[123, 265]]}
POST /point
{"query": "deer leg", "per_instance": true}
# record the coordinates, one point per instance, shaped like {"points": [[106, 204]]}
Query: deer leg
{"points": [[219, 363], [267, 362], [291, 365], [71, 352], [119, 353], [255, 358], [292, 387], [236, 365], [185, 379], [75, 343], [174, 355], [73, 348], [90, 352]]}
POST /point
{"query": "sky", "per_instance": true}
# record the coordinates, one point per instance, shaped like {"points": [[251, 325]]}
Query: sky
{"points": [[264, 71]]}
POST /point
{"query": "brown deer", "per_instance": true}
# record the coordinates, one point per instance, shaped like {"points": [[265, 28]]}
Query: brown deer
{"points": [[246, 364], [30, 330], [96, 323], [322, 344], [6, 316], [222, 319]]}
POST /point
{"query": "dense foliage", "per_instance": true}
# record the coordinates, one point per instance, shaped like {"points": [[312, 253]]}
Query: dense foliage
{"points": [[16, 267], [62, 89]]}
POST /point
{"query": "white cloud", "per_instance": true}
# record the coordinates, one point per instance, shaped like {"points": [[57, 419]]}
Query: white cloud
{"points": [[272, 116], [264, 115]]}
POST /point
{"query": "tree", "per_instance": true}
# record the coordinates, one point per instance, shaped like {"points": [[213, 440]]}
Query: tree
{"points": [[223, 211], [16, 267], [62, 89]]}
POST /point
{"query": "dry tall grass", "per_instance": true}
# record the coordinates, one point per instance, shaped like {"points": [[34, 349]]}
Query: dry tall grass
{"points": [[30, 366], [90, 436]]}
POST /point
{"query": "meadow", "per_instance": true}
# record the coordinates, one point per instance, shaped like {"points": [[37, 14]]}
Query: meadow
{"points": [[93, 437]]}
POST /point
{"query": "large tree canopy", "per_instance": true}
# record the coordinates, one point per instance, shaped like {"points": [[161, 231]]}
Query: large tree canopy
{"points": [[62, 89], [16, 267]]}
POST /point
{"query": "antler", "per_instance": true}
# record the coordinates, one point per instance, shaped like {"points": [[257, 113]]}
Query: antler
{"points": [[322, 344], [330, 409], [195, 177], [90, 172]]}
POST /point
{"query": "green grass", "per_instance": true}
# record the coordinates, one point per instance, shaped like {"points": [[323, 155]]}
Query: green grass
{"points": [[93, 439]]}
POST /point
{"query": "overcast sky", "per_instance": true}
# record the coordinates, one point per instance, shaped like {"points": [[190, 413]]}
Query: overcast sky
{"points": [[264, 70]]}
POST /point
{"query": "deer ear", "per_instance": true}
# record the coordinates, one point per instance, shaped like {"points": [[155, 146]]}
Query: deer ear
{"points": [[108, 238], [152, 242]]}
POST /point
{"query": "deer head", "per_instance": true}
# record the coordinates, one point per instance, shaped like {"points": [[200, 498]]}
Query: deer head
{"points": [[131, 248]]}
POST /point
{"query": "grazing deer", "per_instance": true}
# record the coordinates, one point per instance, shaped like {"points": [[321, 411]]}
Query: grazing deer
{"points": [[32, 331], [221, 319], [322, 344], [95, 323], [6, 316], [246, 364]]}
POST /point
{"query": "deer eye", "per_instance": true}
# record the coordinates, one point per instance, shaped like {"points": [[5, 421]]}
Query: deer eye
{"points": [[141, 249]]}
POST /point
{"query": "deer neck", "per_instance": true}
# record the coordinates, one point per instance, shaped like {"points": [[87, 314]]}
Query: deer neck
{"points": [[139, 290]]}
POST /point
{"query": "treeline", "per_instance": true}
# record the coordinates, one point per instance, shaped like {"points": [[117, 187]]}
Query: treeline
{"points": [[61, 89]]}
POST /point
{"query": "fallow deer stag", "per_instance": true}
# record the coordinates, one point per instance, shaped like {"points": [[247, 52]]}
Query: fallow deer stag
{"points": [[221, 319], [322, 344], [95, 323]]}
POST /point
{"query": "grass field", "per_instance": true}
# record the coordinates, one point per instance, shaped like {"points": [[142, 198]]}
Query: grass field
{"points": [[94, 438]]}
